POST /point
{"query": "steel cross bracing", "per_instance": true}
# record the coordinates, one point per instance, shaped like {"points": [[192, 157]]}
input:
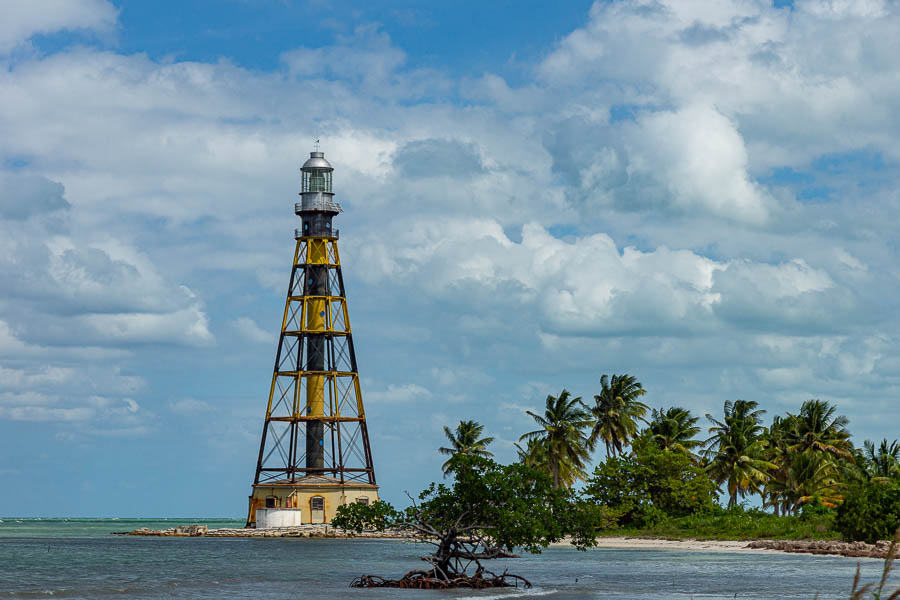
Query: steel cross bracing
{"points": [[315, 352]]}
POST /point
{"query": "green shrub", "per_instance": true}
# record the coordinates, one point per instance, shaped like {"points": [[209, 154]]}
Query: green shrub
{"points": [[650, 485], [870, 512], [648, 516], [359, 517], [737, 524], [815, 509]]}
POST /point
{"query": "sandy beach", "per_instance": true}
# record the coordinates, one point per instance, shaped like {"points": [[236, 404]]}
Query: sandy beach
{"points": [[856, 550], [629, 543]]}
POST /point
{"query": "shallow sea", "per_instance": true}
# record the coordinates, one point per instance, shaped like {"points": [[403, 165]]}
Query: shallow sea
{"points": [[78, 558]]}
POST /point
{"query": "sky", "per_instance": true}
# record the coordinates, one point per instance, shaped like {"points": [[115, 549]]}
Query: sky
{"points": [[702, 195]]}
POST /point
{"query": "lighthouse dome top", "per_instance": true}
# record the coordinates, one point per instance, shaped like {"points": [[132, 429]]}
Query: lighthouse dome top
{"points": [[317, 161]]}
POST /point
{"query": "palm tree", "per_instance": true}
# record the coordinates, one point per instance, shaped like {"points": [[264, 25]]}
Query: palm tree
{"points": [[809, 475], [674, 429], [534, 455], [562, 433], [465, 441], [818, 429], [616, 412], [736, 448], [884, 462], [778, 441]]}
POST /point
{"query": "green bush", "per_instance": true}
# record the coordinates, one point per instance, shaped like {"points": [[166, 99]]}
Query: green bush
{"points": [[870, 512], [648, 516], [359, 517], [737, 523], [650, 485], [815, 509]]}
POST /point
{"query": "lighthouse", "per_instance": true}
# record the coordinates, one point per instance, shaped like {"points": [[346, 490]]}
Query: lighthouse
{"points": [[314, 454]]}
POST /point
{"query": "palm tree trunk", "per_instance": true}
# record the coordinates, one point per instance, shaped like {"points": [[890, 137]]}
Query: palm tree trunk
{"points": [[554, 468]]}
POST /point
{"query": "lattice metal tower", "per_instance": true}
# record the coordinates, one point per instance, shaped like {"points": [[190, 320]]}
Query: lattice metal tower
{"points": [[314, 453]]}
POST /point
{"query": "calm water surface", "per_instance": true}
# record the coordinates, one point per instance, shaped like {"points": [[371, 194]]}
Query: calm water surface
{"points": [[79, 559]]}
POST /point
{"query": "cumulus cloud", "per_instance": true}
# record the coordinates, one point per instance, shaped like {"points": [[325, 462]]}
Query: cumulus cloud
{"points": [[188, 325], [21, 20], [790, 296], [44, 413], [189, 406], [24, 196], [79, 304], [367, 56], [96, 416], [721, 95], [399, 394], [589, 287], [649, 198], [699, 158], [368, 60], [75, 291], [452, 376], [436, 158], [250, 331]]}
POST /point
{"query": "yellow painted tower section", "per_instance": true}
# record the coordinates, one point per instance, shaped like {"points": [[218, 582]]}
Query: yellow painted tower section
{"points": [[315, 322]]}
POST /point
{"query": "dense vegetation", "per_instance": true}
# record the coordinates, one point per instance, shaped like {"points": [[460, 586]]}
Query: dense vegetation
{"points": [[657, 479], [738, 524], [870, 511], [661, 476], [650, 485]]}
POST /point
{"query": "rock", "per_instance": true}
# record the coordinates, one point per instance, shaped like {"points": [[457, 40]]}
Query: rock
{"points": [[301, 531], [850, 549], [191, 530]]}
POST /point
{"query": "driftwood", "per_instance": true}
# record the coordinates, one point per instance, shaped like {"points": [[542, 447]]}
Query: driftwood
{"points": [[427, 580]]}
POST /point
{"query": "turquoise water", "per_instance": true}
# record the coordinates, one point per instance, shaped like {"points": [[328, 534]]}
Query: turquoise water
{"points": [[79, 559], [12, 527]]}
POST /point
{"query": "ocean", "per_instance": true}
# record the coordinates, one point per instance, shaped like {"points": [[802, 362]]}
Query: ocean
{"points": [[78, 558]]}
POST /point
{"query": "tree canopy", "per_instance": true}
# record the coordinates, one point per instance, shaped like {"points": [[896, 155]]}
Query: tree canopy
{"points": [[465, 440], [616, 412], [736, 449], [650, 482], [674, 429], [487, 512], [562, 435]]}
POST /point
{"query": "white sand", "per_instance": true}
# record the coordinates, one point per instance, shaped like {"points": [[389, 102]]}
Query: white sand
{"points": [[660, 544]]}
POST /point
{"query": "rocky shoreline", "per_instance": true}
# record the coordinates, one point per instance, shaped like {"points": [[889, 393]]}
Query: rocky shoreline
{"points": [[829, 547], [304, 531], [823, 547]]}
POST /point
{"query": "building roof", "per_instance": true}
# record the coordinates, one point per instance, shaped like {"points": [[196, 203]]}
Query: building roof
{"points": [[317, 161]]}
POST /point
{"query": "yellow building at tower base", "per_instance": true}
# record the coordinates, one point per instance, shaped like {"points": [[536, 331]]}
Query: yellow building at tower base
{"points": [[317, 496]]}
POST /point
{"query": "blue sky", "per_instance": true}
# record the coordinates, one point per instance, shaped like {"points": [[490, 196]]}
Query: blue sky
{"points": [[704, 196]]}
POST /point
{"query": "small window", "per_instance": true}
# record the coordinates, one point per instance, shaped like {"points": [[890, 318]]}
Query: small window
{"points": [[317, 503], [270, 502], [363, 500]]}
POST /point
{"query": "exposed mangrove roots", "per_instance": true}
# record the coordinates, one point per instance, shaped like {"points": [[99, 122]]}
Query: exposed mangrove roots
{"points": [[427, 580]]}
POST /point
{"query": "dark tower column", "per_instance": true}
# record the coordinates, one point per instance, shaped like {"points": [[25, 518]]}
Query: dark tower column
{"points": [[316, 286]]}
